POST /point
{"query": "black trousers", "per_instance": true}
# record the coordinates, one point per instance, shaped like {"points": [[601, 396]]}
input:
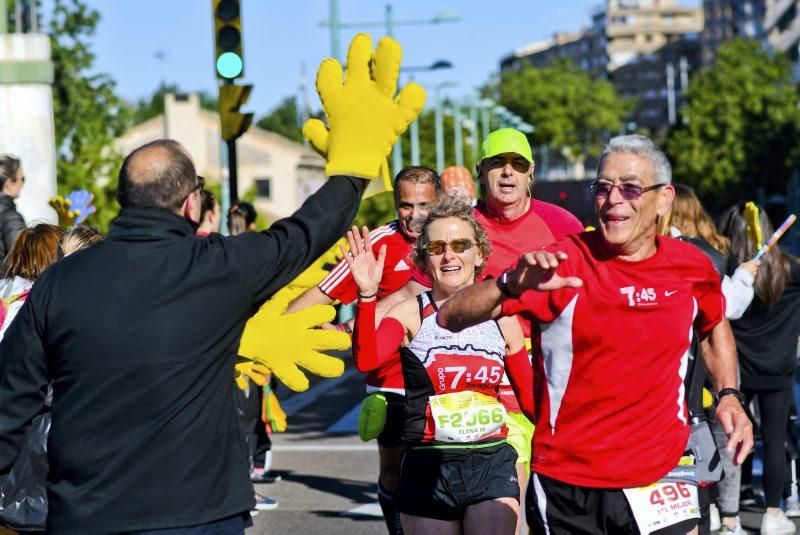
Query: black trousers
{"points": [[254, 432], [773, 407]]}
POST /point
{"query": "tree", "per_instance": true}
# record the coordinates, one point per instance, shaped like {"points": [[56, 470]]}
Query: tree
{"points": [[283, 120], [88, 114], [743, 126], [570, 109]]}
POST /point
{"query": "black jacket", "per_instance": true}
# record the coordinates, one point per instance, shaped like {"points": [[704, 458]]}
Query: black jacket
{"points": [[11, 224], [139, 335], [766, 340]]}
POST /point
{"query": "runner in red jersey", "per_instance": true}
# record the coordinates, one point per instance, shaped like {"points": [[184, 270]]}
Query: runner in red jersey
{"points": [[616, 309], [416, 189], [458, 473]]}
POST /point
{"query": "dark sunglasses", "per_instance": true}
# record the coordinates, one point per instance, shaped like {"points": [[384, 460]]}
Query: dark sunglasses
{"points": [[520, 165], [437, 247], [629, 192]]}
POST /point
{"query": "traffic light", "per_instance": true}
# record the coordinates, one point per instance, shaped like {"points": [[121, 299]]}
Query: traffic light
{"points": [[233, 123], [228, 59]]}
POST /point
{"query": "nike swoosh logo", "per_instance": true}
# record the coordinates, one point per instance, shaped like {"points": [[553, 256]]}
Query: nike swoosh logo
{"points": [[667, 293]]}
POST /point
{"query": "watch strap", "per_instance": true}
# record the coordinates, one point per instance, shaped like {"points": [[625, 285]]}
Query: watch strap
{"points": [[731, 392]]}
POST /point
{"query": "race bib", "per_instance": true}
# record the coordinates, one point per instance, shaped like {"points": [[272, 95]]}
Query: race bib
{"points": [[465, 416], [662, 504]]}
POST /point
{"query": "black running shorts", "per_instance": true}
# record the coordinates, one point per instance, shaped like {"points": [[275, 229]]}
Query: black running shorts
{"points": [[438, 484], [392, 434], [562, 509]]}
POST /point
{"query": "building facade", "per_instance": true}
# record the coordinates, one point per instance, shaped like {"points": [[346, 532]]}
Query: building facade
{"points": [[782, 29], [646, 48], [284, 173], [728, 19]]}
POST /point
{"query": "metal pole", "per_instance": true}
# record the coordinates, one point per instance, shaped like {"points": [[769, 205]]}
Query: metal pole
{"points": [[457, 134], [3, 18], [485, 121], [397, 150], [333, 20], [476, 137], [439, 133], [670, 93], [34, 18], [233, 188], [414, 132], [18, 16]]}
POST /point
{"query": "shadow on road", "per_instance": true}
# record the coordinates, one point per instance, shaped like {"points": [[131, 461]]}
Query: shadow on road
{"points": [[358, 492]]}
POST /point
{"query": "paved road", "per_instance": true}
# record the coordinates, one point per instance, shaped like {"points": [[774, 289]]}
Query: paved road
{"points": [[329, 476]]}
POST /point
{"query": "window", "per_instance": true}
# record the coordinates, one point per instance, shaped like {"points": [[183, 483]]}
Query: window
{"points": [[264, 188]]}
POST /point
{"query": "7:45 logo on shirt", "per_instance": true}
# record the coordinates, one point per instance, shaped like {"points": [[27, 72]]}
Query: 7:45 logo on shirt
{"points": [[643, 297]]}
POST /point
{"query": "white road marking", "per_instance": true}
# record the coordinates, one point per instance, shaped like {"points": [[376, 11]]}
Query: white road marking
{"points": [[368, 509]]}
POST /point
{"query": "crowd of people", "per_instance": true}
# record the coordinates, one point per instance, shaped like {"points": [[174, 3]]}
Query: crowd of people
{"points": [[521, 372]]}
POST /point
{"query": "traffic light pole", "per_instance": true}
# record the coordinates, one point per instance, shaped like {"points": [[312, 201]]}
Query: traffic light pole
{"points": [[233, 175]]}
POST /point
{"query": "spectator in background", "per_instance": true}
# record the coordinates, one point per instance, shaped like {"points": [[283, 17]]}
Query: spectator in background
{"points": [[79, 238], [35, 250], [241, 218], [11, 222], [209, 213], [766, 341]]}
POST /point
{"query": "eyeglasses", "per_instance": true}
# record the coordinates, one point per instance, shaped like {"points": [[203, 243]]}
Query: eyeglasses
{"points": [[437, 247], [629, 192], [200, 183]]}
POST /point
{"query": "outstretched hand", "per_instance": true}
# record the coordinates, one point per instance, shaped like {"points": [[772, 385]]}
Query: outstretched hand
{"points": [[364, 267], [537, 271], [364, 117]]}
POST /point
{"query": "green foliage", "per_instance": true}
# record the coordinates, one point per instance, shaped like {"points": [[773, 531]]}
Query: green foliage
{"points": [[569, 108], [743, 126], [283, 120], [376, 211], [153, 106], [88, 115]]}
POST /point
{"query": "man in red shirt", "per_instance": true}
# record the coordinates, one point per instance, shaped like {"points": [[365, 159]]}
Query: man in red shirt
{"points": [[416, 190], [615, 310]]}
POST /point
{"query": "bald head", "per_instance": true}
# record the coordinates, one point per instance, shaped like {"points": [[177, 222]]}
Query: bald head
{"points": [[157, 175]]}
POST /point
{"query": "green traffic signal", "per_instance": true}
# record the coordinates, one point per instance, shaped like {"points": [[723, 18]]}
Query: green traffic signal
{"points": [[229, 65]]}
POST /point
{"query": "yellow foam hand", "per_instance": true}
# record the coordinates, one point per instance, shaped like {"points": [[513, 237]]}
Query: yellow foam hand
{"points": [[284, 343], [753, 224], [63, 207], [247, 370], [364, 116]]}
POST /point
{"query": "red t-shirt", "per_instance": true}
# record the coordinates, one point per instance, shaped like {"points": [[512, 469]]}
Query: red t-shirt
{"points": [[542, 224], [610, 362], [339, 284]]}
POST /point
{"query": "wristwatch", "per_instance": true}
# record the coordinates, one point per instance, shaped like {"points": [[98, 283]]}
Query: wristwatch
{"points": [[731, 392], [502, 283]]}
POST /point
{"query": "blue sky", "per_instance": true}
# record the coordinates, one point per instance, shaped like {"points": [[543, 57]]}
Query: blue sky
{"points": [[280, 36]]}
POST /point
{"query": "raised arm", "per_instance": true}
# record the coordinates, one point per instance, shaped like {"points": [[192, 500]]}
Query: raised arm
{"points": [[518, 364], [483, 301]]}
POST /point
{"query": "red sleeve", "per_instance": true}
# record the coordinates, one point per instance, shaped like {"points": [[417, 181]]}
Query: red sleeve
{"points": [[520, 375], [419, 276], [560, 222], [710, 300], [372, 347], [339, 284]]}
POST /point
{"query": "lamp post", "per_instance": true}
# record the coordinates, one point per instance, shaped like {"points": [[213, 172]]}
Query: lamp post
{"points": [[440, 123], [389, 23], [413, 129]]}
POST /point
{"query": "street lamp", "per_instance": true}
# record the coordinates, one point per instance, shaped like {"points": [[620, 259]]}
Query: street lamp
{"points": [[439, 123], [413, 129]]}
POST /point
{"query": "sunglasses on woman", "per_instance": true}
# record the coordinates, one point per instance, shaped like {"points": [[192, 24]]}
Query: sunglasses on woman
{"points": [[437, 247]]}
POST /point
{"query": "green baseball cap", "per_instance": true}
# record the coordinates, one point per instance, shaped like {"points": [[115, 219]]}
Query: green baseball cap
{"points": [[506, 140]]}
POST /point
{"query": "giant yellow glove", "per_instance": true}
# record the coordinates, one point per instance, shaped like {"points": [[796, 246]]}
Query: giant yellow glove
{"points": [[364, 117], [63, 207], [285, 343], [247, 370], [753, 224], [314, 273]]}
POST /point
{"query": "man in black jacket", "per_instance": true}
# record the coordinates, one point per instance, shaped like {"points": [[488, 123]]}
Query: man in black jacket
{"points": [[11, 222], [139, 334]]}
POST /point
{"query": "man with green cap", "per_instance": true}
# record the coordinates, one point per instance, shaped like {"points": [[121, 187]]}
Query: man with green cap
{"points": [[515, 223]]}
